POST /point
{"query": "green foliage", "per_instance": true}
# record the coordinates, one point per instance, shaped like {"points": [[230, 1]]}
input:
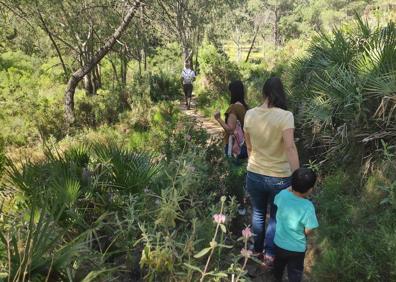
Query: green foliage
{"points": [[343, 86], [126, 171], [93, 111], [363, 215], [164, 86], [216, 69]]}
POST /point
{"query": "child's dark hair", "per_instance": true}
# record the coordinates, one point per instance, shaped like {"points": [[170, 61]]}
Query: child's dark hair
{"points": [[303, 179]]}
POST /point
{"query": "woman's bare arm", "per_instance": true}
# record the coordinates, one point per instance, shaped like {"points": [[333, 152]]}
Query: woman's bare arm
{"points": [[228, 127], [248, 143], [291, 149]]}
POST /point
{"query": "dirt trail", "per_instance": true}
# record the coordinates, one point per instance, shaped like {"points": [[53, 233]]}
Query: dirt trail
{"points": [[211, 126], [256, 273]]}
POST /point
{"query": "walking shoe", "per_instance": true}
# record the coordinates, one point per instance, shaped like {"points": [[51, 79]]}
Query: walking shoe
{"points": [[268, 262]]}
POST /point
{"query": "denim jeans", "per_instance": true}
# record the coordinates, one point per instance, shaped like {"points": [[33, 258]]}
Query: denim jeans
{"points": [[262, 190]]}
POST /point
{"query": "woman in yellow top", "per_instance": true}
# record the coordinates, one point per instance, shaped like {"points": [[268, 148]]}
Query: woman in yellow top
{"points": [[273, 156]]}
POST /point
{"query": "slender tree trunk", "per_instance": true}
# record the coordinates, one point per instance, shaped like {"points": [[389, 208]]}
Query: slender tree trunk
{"points": [[145, 61], [186, 53], [276, 28], [76, 77], [123, 92], [252, 45], [115, 73], [49, 33]]}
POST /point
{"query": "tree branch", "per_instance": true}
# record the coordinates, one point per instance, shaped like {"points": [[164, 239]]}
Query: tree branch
{"points": [[78, 75]]}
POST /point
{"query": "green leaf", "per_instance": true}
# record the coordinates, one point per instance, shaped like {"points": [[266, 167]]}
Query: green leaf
{"points": [[193, 267], [218, 274], [223, 228], [225, 246], [93, 275], [385, 201], [202, 252]]}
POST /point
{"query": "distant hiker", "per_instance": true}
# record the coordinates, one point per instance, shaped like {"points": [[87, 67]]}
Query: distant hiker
{"points": [[234, 141], [295, 220], [188, 76], [273, 156]]}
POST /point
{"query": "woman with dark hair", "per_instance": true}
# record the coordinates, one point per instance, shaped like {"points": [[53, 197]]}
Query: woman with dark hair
{"points": [[234, 114], [273, 156], [234, 142]]}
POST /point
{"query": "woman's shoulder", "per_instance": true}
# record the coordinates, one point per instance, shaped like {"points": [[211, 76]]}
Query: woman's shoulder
{"points": [[283, 113], [252, 110], [237, 107]]}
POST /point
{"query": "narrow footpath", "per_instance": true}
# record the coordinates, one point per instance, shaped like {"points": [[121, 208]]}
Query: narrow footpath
{"points": [[255, 272]]}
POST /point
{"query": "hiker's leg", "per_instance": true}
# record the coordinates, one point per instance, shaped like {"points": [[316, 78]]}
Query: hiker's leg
{"points": [[295, 267], [279, 264], [185, 94], [188, 90], [189, 101], [276, 184], [258, 198]]}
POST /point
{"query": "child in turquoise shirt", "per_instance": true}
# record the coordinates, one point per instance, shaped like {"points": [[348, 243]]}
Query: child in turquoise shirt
{"points": [[295, 220]]}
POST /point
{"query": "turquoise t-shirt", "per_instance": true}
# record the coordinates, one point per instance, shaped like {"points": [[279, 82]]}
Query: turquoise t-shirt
{"points": [[294, 214]]}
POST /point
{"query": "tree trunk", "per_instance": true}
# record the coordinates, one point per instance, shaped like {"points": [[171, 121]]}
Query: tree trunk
{"points": [[252, 45], [237, 42], [145, 60], [46, 29], [276, 27], [115, 73], [186, 54], [78, 75], [124, 70], [88, 85]]}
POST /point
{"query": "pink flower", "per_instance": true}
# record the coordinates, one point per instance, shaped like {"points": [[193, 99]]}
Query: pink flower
{"points": [[188, 137], [219, 218], [247, 233], [246, 253]]}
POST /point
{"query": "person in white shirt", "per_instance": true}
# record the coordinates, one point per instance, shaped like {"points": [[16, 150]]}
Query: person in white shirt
{"points": [[188, 76]]}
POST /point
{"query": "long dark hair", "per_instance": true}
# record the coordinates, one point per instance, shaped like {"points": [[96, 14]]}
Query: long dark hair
{"points": [[273, 91], [237, 93]]}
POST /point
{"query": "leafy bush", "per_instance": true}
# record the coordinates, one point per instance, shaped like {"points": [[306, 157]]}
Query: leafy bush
{"points": [[344, 87], [216, 69], [362, 216], [95, 110], [165, 86]]}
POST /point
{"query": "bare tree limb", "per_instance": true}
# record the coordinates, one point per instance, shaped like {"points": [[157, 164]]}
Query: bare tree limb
{"points": [[49, 33]]}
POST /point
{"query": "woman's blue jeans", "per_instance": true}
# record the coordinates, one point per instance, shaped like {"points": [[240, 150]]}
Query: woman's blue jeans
{"points": [[262, 190]]}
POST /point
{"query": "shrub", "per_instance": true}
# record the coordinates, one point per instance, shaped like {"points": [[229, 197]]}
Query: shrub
{"points": [[164, 86], [343, 88], [216, 69]]}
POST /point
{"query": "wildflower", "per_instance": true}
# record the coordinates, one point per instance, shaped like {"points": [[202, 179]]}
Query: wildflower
{"points": [[247, 233], [158, 201], [188, 137], [246, 253], [219, 218]]}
